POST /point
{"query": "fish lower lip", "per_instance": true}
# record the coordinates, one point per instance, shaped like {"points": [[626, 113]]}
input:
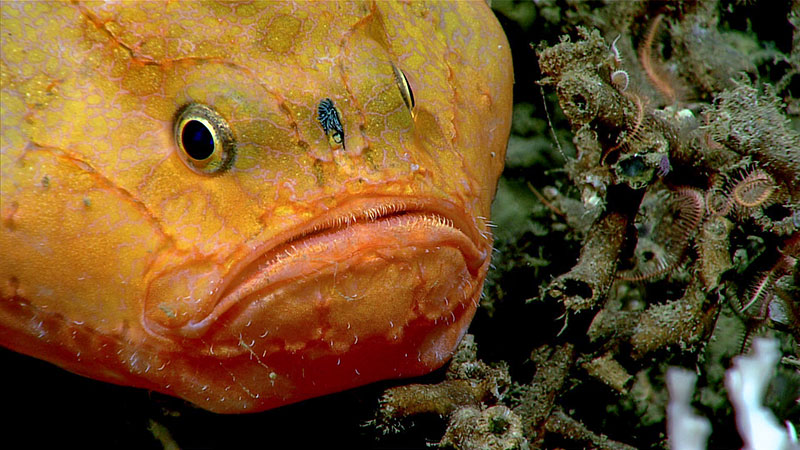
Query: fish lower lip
{"points": [[382, 226]]}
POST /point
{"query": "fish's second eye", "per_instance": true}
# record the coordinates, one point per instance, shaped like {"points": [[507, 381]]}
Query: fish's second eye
{"points": [[204, 139], [405, 88]]}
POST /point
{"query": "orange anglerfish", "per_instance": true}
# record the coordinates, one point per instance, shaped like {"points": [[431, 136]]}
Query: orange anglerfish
{"points": [[244, 204]]}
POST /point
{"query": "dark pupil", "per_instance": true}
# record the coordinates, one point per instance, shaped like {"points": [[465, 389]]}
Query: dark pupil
{"points": [[197, 140]]}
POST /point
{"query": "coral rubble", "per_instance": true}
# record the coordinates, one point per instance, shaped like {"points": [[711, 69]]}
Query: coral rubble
{"points": [[660, 227]]}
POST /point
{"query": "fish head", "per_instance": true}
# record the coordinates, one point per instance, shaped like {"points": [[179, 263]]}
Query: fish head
{"points": [[198, 212]]}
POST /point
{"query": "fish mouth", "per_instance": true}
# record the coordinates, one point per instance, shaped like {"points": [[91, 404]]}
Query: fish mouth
{"points": [[361, 224]]}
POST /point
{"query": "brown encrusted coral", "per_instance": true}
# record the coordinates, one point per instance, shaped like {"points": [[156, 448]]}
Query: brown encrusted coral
{"points": [[710, 58], [703, 185], [750, 122], [494, 428], [713, 250], [538, 399], [683, 321], [580, 72], [587, 282], [672, 216], [609, 371], [561, 423], [470, 383]]}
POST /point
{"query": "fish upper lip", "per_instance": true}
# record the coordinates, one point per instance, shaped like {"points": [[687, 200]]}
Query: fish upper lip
{"points": [[357, 211]]}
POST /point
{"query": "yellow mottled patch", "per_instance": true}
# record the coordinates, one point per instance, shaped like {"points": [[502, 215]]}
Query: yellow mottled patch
{"points": [[386, 101], [246, 10], [5, 81], [92, 61], [173, 45], [419, 9], [271, 137], [285, 210], [37, 91], [132, 131], [31, 32], [281, 34], [93, 99], [209, 49], [233, 35], [97, 126], [115, 30], [247, 156], [13, 52], [319, 172], [11, 12], [114, 114], [128, 102], [33, 9], [400, 119], [12, 138], [154, 48], [102, 145], [132, 15], [414, 62], [35, 56], [159, 108], [120, 60], [55, 69], [105, 88], [94, 34], [369, 154], [128, 154], [142, 79], [11, 107]]}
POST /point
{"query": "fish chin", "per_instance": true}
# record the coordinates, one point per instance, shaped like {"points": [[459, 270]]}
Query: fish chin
{"points": [[350, 301]]}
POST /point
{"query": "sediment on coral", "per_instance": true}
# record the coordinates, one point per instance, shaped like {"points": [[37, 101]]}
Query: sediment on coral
{"points": [[538, 398], [470, 383]]}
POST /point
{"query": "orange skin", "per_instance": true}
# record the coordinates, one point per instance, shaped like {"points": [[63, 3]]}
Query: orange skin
{"points": [[306, 267]]}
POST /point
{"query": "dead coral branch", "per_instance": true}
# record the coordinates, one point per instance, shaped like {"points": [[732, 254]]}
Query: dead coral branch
{"points": [[587, 283]]}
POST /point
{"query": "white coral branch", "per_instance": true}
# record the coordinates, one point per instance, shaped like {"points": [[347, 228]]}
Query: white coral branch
{"points": [[747, 383], [686, 430]]}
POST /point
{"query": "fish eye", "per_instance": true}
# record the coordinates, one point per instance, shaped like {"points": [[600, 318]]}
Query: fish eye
{"points": [[204, 139], [405, 88]]}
